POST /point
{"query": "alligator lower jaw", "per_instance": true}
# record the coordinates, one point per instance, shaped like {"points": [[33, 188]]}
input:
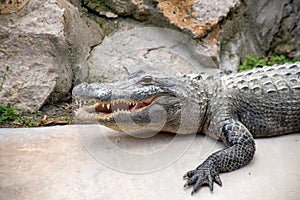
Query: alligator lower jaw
{"points": [[95, 109]]}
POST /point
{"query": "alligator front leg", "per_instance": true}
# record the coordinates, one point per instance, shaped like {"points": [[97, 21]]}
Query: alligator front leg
{"points": [[240, 150]]}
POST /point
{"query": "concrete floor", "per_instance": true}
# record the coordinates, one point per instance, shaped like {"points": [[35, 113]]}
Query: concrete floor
{"points": [[93, 162]]}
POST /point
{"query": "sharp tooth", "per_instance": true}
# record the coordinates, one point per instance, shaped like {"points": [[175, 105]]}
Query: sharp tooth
{"points": [[108, 106], [118, 110]]}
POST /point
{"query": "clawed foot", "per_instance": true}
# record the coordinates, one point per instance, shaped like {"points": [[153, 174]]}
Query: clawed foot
{"points": [[201, 176]]}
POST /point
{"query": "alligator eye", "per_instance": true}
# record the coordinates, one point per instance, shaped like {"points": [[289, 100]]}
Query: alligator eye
{"points": [[146, 80]]}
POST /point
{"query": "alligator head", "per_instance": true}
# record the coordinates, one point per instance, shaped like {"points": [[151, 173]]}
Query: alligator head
{"points": [[144, 101]]}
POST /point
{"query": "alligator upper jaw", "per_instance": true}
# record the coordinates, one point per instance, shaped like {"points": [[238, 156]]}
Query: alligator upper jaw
{"points": [[96, 109]]}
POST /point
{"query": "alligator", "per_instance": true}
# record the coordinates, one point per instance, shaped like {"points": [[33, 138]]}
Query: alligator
{"points": [[233, 108]]}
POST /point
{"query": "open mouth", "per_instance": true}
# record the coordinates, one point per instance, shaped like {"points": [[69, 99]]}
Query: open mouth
{"points": [[121, 105], [96, 108]]}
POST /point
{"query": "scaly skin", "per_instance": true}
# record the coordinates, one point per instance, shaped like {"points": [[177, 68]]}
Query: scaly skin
{"points": [[232, 108]]}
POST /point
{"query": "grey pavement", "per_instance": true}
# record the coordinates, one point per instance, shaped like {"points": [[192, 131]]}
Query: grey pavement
{"points": [[93, 162]]}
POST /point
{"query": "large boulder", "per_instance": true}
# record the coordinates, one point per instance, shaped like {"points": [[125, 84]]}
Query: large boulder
{"points": [[40, 47], [147, 48], [231, 29], [197, 19]]}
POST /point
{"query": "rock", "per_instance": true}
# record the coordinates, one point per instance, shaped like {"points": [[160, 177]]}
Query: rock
{"points": [[196, 16], [76, 3], [231, 29], [81, 34], [261, 28], [39, 45], [142, 10], [11, 6], [34, 52], [287, 38], [147, 48]]}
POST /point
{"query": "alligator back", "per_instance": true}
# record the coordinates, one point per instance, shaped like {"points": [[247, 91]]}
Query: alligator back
{"points": [[266, 100]]}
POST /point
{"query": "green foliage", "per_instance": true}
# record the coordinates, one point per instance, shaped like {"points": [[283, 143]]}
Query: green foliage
{"points": [[38, 113], [9, 113], [64, 117], [253, 61], [29, 123], [103, 23]]}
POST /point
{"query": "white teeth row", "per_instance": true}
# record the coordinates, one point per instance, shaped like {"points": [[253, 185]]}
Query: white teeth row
{"points": [[107, 105], [122, 101], [120, 110]]}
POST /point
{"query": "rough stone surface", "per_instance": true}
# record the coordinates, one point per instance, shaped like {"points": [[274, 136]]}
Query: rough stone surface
{"points": [[196, 16], [10, 6], [76, 3], [72, 162], [148, 48], [286, 39], [35, 57], [142, 10], [199, 19], [32, 46], [231, 29], [81, 34], [260, 27]]}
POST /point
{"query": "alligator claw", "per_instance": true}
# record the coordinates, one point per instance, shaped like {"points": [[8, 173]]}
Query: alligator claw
{"points": [[201, 176], [189, 174], [218, 180]]}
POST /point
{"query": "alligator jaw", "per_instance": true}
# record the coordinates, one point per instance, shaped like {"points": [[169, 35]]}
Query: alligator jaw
{"points": [[96, 109]]}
